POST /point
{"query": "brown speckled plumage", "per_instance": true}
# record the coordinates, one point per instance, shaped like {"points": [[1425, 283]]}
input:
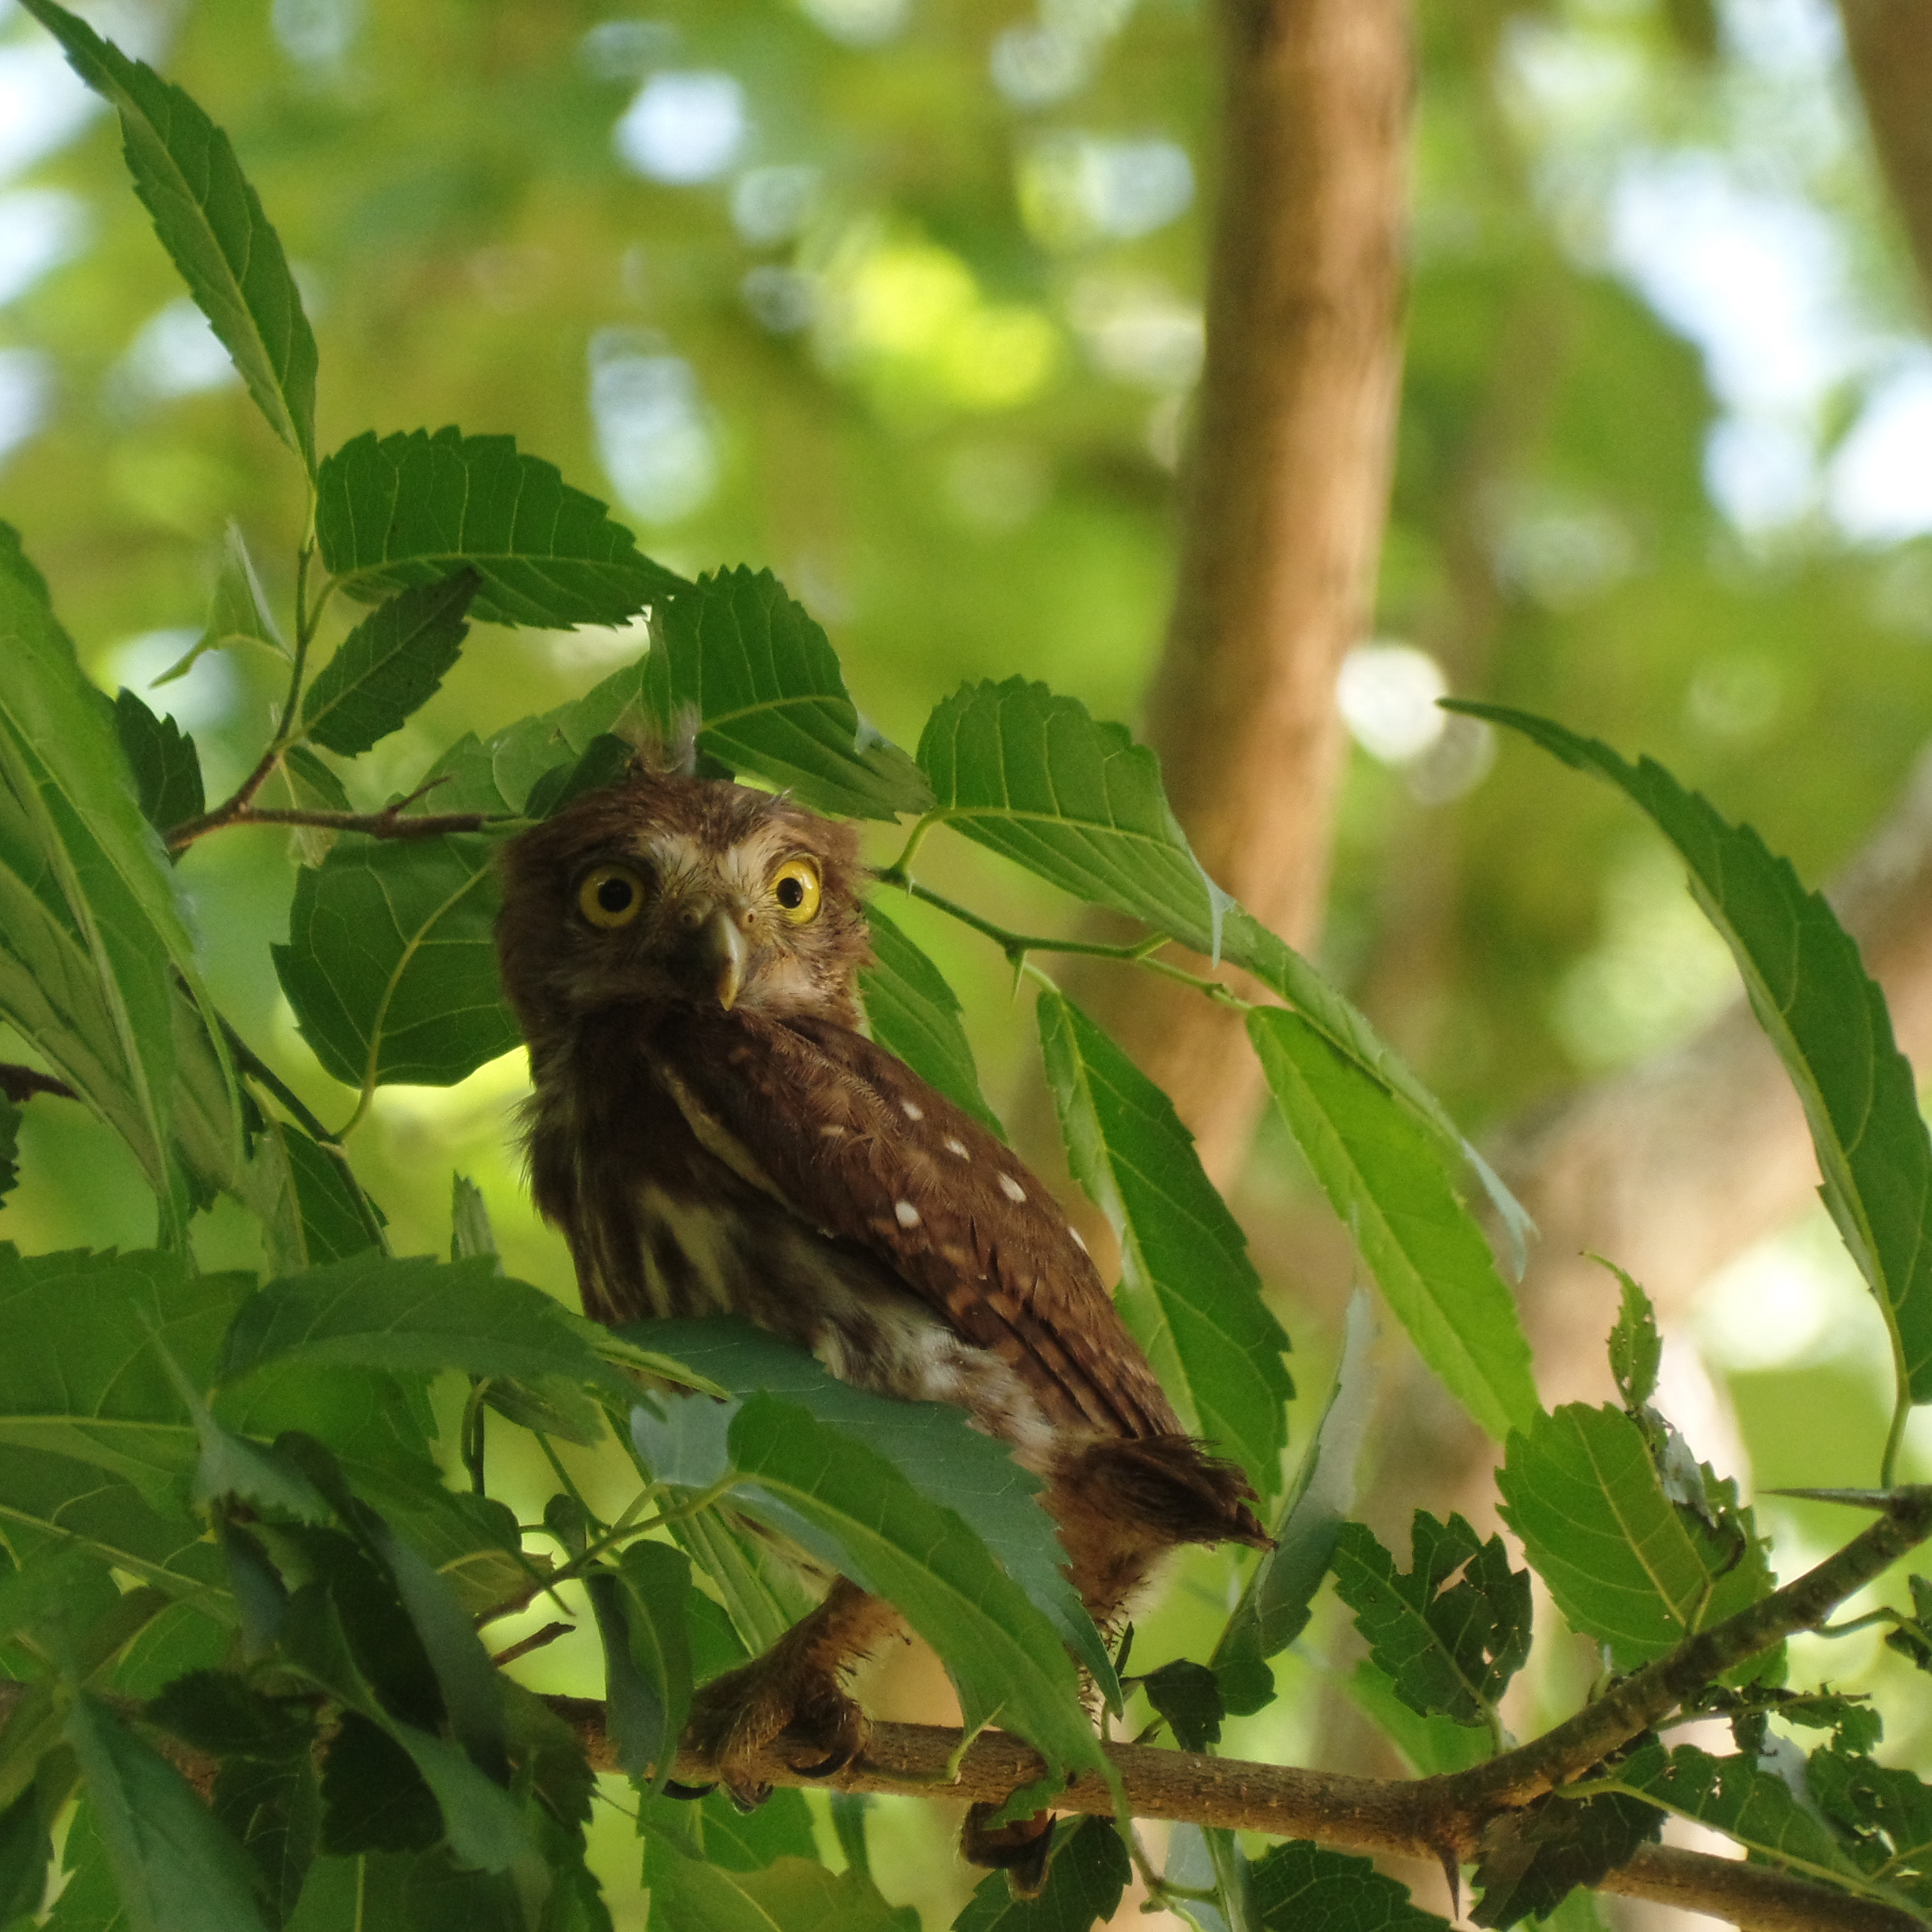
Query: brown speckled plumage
{"points": [[770, 1160]]}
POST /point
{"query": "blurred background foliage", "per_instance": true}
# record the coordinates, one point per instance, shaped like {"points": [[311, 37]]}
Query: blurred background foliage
{"points": [[902, 298]]}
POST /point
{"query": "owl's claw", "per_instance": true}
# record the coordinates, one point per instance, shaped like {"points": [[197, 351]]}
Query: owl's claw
{"points": [[779, 1695]]}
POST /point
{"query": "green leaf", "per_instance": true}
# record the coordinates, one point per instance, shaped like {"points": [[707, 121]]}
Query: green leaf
{"points": [[302, 782], [26, 1844], [415, 509], [849, 1507], [1035, 777], [1302, 1888], [1625, 1564], [10, 1146], [1884, 1810], [1188, 1697], [325, 1219], [210, 221], [1826, 1018], [1533, 1859], [932, 1445], [162, 758], [237, 613], [389, 665], [1273, 1609], [789, 1896], [376, 1311], [90, 1901], [1637, 1349], [274, 1809], [912, 1012], [95, 939], [1378, 1167], [391, 966], [215, 1712], [1188, 1292], [1736, 1796], [1449, 1649], [1247, 943], [176, 1869], [712, 1829], [763, 684], [1431, 1747], [762, 1593], [1089, 1872], [641, 1609], [81, 1376]]}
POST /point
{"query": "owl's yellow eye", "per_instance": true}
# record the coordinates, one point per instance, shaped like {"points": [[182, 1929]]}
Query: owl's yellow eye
{"points": [[610, 896], [795, 885]]}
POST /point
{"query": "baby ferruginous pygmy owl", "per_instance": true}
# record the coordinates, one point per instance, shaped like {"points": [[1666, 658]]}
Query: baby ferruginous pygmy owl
{"points": [[714, 1135]]}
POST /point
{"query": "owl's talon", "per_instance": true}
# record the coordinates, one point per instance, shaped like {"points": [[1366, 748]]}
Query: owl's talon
{"points": [[780, 1697]]}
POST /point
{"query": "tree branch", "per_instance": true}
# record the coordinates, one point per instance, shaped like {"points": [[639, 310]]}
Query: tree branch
{"points": [[389, 823]]}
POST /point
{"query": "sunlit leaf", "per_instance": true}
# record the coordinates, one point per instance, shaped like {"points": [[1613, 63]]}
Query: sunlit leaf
{"points": [[415, 509], [1382, 1174], [1188, 1292], [1035, 777], [738, 657], [210, 220]]}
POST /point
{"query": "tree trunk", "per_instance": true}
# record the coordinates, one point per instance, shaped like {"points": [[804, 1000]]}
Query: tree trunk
{"points": [[1287, 484]]}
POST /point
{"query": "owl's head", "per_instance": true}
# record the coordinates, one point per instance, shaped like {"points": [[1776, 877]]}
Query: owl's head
{"points": [[670, 890]]}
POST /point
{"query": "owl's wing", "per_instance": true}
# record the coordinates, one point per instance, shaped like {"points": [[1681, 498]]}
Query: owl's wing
{"points": [[855, 1143]]}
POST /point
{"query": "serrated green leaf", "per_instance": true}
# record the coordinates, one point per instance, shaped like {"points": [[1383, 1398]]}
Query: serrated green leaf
{"points": [[1534, 1859], [912, 1012], [763, 684], [1382, 1174], [1035, 777], [1188, 1697], [642, 1607], [1188, 1292], [391, 966], [89, 1902], [1736, 1795], [1302, 1888], [411, 509], [712, 1829], [1884, 1811], [1637, 1349], [1827, 1019], [378, 1312], [274, 1811], [1089, 1872], [931, 1444], [790, 1895], [1274, 1609], [1247, 943], [762, 1593], [177, 1870], [94, 940], [389, 665], [10, 1146], [238, 613], [1449, 1648], [848, 1506], [26, 1844], [326, 1218], [80, 1375], [211, 222], [1625, 1564], [162, 758]]}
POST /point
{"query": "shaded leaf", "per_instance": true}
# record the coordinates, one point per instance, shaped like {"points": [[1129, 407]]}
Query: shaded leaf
{"points": [[1827, 1019], [389, 665], [1188, 1695], [327, 1221], [1432, 1746], [1884, 1810], [712, 1829], [788, 1896], [763, 684], [413, 509], [373, 1798], [641, 1609], [10, 1146], [162, 758], [302, 782], [1035, 778], [1188, 1292], [177, 1870], [1625, 1564], [912, 1012], [1302, 1888], [1380, 1169], [1533, 1859], [1448, 1647], [274, 1810], [211, 222], [238, 611], [1274, 1609], [391, 966], [932, 1445], [1089, 1872], [215, 1711], [27, 1846]]}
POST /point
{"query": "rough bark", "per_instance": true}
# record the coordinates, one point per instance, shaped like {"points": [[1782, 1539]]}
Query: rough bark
{"points": [[1288, 485]]}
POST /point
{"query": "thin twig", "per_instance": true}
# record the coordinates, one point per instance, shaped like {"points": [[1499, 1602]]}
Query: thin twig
{"points": [[389, 823], [20, 1084]]}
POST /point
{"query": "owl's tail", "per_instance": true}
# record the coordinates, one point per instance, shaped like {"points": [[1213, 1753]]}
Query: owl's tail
{"points": [[1170, 1485]]}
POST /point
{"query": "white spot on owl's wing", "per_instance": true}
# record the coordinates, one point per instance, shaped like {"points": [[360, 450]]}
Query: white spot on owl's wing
{"points": [[913, 1110], [952, 1146], [906, 1214], [1011, 1188]]}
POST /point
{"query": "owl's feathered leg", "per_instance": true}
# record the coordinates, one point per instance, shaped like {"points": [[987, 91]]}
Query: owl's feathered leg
{"points": [[794, 1688]]}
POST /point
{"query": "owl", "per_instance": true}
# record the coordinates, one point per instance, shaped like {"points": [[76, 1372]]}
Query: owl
{"points": [[714, 1133]]}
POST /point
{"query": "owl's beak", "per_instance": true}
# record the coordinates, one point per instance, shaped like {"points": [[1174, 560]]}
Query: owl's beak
{"points": [[722, 944]]}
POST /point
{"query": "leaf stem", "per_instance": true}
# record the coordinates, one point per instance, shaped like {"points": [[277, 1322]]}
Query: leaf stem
{"points": [[1894, 1439]]}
